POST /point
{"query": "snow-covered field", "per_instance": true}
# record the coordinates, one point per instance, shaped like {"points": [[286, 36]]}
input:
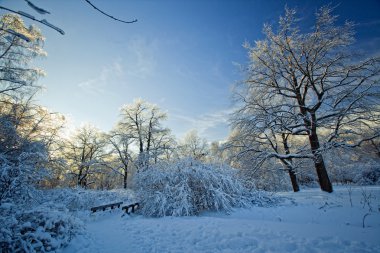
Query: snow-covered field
{"points": [[308, 221]]}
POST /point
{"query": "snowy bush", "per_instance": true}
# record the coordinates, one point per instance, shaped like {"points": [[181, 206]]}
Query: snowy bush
{"points": [[21, 163], [17, 178], [78, 199], [353, 166], [189, 187], [370, 175], [37, 230]]}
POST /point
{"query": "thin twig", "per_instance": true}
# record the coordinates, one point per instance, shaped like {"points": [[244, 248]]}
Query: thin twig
{"points": [[96, 8]]}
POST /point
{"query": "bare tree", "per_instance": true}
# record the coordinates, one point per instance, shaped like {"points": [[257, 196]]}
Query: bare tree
{"points": [[163, 146], [263, 145], [265, 126], [142, 122], [317, 76], [192, 145], [84, 152], [121, 146]]}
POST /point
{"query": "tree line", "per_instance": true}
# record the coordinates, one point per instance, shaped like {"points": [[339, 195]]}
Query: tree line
{"points": [[305, 96]]}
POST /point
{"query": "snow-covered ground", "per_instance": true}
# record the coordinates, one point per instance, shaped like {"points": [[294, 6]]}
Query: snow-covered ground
{"points": [[308, 221]]}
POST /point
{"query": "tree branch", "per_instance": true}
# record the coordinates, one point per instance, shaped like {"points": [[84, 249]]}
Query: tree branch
{"points": [[96, 8], [43, 21]]}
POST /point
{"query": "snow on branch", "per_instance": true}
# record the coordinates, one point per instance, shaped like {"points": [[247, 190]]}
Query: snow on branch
{"points": [[123, 21], [358, 143], [188, 187], [19, 35], [45, 22], [27, 15], [289, 156]]}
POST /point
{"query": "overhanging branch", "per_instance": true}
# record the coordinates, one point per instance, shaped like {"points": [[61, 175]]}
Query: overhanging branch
{"points": [[43, 21], [99, 10]]}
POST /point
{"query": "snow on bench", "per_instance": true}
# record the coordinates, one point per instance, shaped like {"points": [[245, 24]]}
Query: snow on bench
{"points": [[104, 207], [131, 206]]}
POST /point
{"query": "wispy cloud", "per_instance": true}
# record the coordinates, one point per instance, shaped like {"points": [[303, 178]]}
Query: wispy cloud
{"points": [[141, 58], [369, 48], [206, 124], [97, 85], [370, 23]]}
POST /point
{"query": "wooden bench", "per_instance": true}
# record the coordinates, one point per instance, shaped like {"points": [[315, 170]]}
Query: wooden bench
{"points": [[130, 208], [104, 207]]}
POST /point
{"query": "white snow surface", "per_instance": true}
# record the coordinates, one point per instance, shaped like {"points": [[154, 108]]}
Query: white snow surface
{"points": [[307, 221]]}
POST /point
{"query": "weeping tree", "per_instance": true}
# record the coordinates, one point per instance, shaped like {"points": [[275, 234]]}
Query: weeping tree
{"points": [[324, 87]]}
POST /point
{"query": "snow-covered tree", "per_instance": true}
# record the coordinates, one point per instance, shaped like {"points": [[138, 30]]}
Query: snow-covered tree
{"points": [[261, 130], [260, 145], [163, 146], [121, 151], [192, 145], [142, 122], [217, 153], [84, 153], [17, 78], [23, 140], [22, 162], [322, 85]]}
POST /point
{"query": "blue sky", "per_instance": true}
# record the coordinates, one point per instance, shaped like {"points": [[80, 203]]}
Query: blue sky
{"points": [[180, 55]]}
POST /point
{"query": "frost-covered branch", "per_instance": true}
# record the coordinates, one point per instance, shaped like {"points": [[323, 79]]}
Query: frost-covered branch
{"points": [[27, 15]]}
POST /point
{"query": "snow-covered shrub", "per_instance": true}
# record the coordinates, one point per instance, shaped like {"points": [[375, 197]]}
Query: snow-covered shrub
{"points": [[37, 230], [17, 178], [353, 166], [189, 187], [370, 175], [21, 163], [79, 199]]}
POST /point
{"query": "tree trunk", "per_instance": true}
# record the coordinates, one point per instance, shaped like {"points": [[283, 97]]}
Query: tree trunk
{"points": [[377, 147], [288, 164], [319, 163], [125, 178], [293, 179], [79, 177]]}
